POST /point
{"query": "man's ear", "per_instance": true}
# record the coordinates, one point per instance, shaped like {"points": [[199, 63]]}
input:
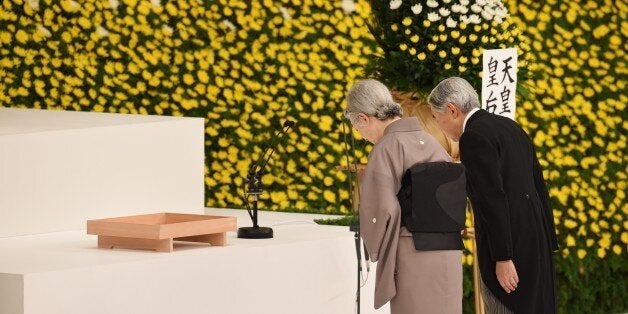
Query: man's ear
{"points": [[453, 110]]}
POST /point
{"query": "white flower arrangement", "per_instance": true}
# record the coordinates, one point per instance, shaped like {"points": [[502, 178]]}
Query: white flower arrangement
{"points": [[437, 38]]}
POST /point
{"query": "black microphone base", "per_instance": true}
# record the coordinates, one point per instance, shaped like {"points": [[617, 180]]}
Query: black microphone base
{"points": [[255, 232]]}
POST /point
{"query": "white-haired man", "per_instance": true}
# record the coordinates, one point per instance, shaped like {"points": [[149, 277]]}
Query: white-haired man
{"points": [[514, 223]]}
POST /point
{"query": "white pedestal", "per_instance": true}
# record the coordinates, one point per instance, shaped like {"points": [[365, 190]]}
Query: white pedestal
{"points": [[305, 269], [61, 168]]}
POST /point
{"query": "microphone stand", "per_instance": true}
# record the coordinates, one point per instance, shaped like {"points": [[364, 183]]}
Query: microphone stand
{"points": [[255, 187], [355, 227]]}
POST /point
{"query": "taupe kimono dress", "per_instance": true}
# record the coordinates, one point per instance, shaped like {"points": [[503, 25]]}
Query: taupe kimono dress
{"points": [[413, 281]]}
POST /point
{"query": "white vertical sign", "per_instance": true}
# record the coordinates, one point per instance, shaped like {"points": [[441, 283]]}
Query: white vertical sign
{"points": [[499, 81]]}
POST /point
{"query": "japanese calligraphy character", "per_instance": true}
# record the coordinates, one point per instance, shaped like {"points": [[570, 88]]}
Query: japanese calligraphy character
{"points": [[490, 107], [505, 70]]}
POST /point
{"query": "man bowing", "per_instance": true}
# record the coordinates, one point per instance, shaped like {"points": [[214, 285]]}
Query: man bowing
{"points": [[514, 223]]}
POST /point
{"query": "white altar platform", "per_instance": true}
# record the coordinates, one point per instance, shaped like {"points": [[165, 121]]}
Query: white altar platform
{"points": [[305, 268], [60, 168]]}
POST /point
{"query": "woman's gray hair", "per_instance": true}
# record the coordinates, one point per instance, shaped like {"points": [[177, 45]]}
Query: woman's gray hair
{"points": [[456, 91], [371, 98]]}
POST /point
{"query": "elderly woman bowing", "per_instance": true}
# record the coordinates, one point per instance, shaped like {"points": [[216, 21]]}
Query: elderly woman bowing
{"points": [[414, 281]]}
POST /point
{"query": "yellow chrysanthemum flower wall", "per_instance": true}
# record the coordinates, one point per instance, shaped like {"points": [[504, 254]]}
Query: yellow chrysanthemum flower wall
{"points": [[245, 66]]}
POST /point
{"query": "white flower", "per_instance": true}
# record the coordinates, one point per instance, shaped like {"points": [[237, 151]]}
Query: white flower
{"points": [[44, 30], [229, 24], [114, 4], [417, 8], [432, 3], [456, 8], [464, 19], [464, 2], [464, 10], [480, 3], [487, 15], [474, 19], [444, 12], [348, 6], [155, 3], [395, 4], [446, 1], [34, 4], [167, 29], [476, 8], [433, 17], [451, 23], [285, 13], [102, 31], [501, 13]]}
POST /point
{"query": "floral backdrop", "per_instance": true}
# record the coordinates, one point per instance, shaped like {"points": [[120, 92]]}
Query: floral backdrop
{"points": [[247, 66]]}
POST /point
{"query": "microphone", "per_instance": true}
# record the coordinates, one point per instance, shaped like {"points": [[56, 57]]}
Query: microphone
{"points": [[255, 188]]}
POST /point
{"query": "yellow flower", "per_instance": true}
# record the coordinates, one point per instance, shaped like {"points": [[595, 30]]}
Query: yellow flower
{"points": [[442, 54], [21, 36], [565, 252], [394, 27], [403, 47], [426, 23], [581, 253], [144, 8], [617, 249], [615, 40], [84, 22], [407, 21], [188, 79], [605, 242], [329, 196], [414, 38], [601, 252], [421, 56], [570, 224], [570, 241], [601, 31], [203, 77], [431, 47]]}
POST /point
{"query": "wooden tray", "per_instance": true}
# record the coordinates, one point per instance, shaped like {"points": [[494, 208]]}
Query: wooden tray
{"points": [[159, 231]]}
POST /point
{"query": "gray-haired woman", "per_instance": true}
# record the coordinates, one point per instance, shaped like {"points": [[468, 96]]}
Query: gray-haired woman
{"points": [[413, 281]]}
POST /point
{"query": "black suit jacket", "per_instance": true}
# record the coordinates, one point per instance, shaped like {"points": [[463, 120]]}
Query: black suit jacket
{"points": [[513, 217]]}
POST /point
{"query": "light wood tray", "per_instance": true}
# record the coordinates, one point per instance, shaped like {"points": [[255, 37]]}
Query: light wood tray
{"points": [[159, 231]]}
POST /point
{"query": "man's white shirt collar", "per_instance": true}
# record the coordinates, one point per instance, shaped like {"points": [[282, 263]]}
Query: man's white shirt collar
{"points": [[464, 124]]}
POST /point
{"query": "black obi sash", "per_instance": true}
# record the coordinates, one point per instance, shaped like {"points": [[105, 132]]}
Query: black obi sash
{"points": [[433, 201]]}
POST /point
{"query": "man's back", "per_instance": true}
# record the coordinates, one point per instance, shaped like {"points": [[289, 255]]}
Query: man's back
{"points": [[514, 220]]}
